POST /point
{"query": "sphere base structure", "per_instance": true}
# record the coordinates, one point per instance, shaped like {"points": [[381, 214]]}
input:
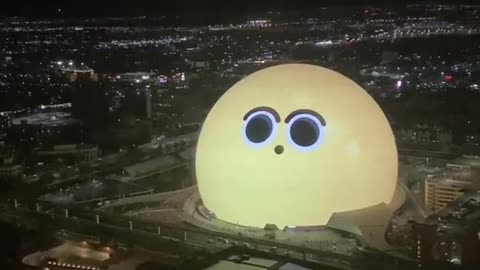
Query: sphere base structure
{"points": [[368, 225]]}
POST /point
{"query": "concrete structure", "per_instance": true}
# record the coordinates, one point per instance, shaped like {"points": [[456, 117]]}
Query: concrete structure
{"points": [[69, 255], [466, 162], [50, 119], [453, 240], [173, 143], [10, 170], [9, 167], [199, 64], [45, 127], [150, 168], [80, 73], [459, 177], [371, 223], [80, 152], [440, 192]]}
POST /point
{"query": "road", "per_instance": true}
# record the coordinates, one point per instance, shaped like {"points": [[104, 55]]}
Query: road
{"points": [[161, 171], [119, 228], [101, 168], [426, 153]]}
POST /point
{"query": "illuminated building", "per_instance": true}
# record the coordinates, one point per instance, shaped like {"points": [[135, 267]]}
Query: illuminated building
{"points": [[163, 81], [80, 73], [398, 84], [440, 192], [45, 127], [465, 162], [199, 65], [162, 108], [459, 177], [45, 119], [78, 152], [180, 81], [424, 236], [259, 23], [441, 250], [135, 77], [74, 71], [148, 103], [448, 78], [295, 152], [10, 170]]}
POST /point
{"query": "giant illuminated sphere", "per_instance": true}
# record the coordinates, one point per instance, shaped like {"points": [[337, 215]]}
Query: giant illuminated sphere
{"points": [[292, 144]]}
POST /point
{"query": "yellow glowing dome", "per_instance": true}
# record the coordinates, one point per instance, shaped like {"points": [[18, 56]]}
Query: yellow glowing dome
{"points": [[292, 144]]}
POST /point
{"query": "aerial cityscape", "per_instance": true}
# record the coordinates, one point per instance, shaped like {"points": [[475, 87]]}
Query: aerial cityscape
{"points": [[333, 137]]}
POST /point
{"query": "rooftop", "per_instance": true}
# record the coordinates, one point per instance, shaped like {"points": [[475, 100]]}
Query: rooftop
{"points": [[46, 119], [457, 176], [466, 161], [68, 147], [151, 166], [234, 258], [457, 217]]}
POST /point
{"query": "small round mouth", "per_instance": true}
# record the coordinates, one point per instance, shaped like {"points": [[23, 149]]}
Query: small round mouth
{"points": [[278, 149]]}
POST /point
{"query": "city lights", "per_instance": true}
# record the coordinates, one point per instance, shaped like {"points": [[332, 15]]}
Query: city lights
{"points": [[344, 135]]}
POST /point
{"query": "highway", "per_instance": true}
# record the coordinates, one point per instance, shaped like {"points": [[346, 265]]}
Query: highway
{"points": [[101, 168], [94, 174], [427, 153], [116, 228], [162, 170]]}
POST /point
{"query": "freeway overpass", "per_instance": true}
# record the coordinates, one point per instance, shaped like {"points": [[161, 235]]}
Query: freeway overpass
{"points": [[85, 178], [102, 168], [427, 153], [156, 172], [147, 198]]}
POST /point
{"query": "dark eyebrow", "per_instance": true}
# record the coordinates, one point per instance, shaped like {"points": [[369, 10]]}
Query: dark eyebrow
{"points": [[267, 109], [314, 113]]}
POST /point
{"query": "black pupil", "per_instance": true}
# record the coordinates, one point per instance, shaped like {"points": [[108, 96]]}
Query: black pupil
{"points": [[304, 132], [259, 128]]}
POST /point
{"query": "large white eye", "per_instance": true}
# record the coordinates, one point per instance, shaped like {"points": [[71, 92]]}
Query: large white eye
{"points": [[305, 132], [259, 128]]}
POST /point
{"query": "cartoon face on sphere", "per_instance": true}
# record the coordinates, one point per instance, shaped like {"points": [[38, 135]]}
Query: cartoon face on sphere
{"points": [[292, 144]]}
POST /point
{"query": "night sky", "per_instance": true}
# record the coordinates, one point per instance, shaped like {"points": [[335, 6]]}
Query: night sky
{"points": [[88, 8]]}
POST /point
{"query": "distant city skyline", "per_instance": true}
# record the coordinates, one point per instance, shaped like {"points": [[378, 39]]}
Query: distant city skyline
{"points": [[60, 9], [106, 119]]}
